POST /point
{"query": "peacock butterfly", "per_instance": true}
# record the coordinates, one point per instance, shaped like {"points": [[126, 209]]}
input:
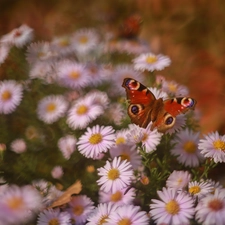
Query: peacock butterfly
{"points": [[145, 108]]}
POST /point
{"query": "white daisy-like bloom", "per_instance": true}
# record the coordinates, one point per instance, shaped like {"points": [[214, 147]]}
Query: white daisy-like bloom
{"points": [[186, 148], [85, 40], [67, 145], [174, 89], [127, 152], [99, 98], [52, 194], [19, 204], [158, 93], [178, 180], [19, 36], [115, 175], [83, 112], [53, 216], [173, 208], [200, 189], [213, 146], [211, 209], [80, 208], [115, 113], [215, 184], [151, 62], [72, 75], [128, 214], [119, 197], [57, 172], [42, 186], [51, 108], [134, 47], [95, 72], [135, 134], [96, 140], [101, 214], [11, 94], [180, 122], [121, 137], [18, 146], [4, 52]]}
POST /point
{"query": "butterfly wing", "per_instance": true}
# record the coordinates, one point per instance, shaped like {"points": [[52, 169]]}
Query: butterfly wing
{"points": [[141, 102]]}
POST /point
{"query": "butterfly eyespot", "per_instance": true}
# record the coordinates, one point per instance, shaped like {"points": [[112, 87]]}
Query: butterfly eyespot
{"points": [[132, 84], [134, 109], [188, 102], [169, 120]]}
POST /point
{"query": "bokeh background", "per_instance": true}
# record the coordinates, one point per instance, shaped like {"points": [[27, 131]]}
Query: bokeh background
{"points": [[190, 32]]}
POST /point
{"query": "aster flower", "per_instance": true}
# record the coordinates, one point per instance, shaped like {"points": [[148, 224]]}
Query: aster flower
{"points": [[180, 122], [101, 214], [72, 75], [96, 140], [124, 196], [128, 214], [151, 62], [53, 216], [158, 93], [67, 145], [57, 172], [95, 72], [19, 204], [200, 188], [115, 175], [178, 179], [213, 146], [51, 108], [80, 207], [121, 137], [211, 209], [186, 148], [52, 194], [126, 152], [173, 208], [83, 112], [19, 36], [4, 51], [98, 97], [18, 145], [10, 96]]}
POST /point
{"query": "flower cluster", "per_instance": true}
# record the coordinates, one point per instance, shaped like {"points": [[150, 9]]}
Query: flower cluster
{"points": [[66, 121]]}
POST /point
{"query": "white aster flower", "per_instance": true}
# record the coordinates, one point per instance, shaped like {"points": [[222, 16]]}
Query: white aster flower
{"points": [[127, 152], [115, 113], [53, 216], [42, 186], [57, 172], [186, 148], [128, 214], [121, 137], [200, 189], [11, 94], [115, 175], [213, 146], [215, 184], [18, 146], [67, 145], [101, 214], [95, 72], [180, 122], [4, 51], [178, 179], [173, 208], [211, 209], [135, 134], [158, 93], [98, 98], [119, 197], [96, 140], [51, 108], [80, 208], [151, 62], [52, 194], [19, 204], [72, 75], [19, 36]]}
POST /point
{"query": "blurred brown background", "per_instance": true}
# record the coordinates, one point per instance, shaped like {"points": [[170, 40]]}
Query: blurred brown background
{"points": [[190, 32]]}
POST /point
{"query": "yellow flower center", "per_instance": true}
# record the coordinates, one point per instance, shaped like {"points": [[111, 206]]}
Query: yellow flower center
{"points": [[120, 140], [219, 145], [125, 156], [82, 109], [6, 95], [64, 42], [41, 54], [15, 203], [74, 75], [215, 205], [190, 147], [151, 59], [51, 107], [54, 221], [83, 39], [172, 87], [78, 210], [144, 180], [90, 169], [116, 196], [172, 207], [124, 221], [103, 220], [113, 174], [179, 181], [145, 137], [95, 139], [194, 190]]}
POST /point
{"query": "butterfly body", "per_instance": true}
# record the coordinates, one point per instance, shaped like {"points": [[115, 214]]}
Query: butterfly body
{"points": [[145, 108]]}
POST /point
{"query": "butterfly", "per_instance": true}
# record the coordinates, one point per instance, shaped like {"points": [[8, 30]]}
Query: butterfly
{"points": [[145, 108]]}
